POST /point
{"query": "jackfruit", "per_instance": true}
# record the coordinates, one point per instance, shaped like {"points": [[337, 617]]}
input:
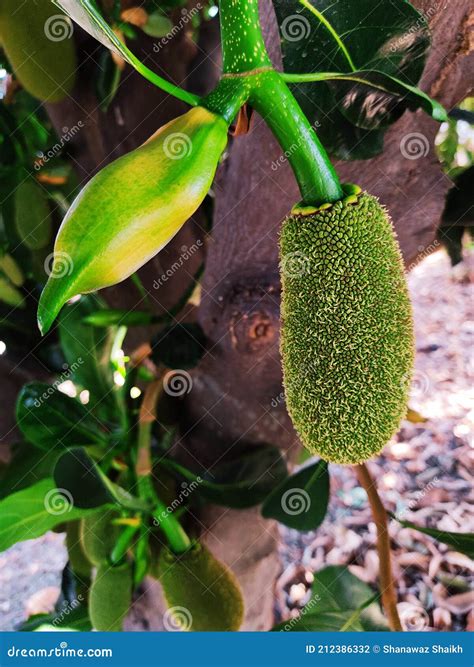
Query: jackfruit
{"points": [[347, 332], [110, 597], [37, 40], [99, 535], [201, 592]]}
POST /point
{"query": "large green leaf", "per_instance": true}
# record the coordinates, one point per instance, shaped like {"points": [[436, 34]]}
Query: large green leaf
{"points": [[463, 542], [33, 511], [339, 602], [81, 477], [27, 466], [300, 501], [48, 418], [382, 46], [241, 482]]}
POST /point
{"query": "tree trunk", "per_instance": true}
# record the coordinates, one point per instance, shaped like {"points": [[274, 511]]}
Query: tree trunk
{"points": [[237, 388]]}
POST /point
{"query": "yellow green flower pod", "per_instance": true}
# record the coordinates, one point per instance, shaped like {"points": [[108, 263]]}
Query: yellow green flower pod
{"points": [[347, 331], [130, 210], [38, 42], [201, 592]]}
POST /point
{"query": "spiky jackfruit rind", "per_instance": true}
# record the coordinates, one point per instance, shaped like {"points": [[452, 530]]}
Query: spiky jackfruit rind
{"points": [[347, 332], [110, 597], [197, 582]]}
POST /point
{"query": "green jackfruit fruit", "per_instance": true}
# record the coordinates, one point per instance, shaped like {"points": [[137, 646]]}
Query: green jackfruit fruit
{"points": [[347, 332], [37, 40], [32, 215], [99, 535], [78, 560], [201, 591], [131, 209], [110, 597]]}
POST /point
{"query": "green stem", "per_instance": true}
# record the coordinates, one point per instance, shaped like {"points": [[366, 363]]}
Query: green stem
{"points": [[249, 75], [317, 179], [243, 48]]}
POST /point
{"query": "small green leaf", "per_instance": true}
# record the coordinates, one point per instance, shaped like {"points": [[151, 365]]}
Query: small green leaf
{"points": [[74, 618], [81, 477], [463, 542], [110, 317], [157, 25], [48, 418], [32, 215], [33, 511], [241, 482], [339, 602], [10, 295], [179, 346], [300, 501]]}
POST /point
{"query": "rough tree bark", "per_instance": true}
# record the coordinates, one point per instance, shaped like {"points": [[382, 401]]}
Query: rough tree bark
{"points": [[237, 389]]}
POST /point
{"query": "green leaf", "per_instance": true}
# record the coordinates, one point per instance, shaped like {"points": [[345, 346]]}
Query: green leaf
{"points": [[127, 318], [301, 500], [463, 542], [241, 482], [179, 346], [27, 466], [382, 47], [33, 511], [339, 602], [157, 25], [48, 418], [88, 352], [81, 477], [74, 618]]}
